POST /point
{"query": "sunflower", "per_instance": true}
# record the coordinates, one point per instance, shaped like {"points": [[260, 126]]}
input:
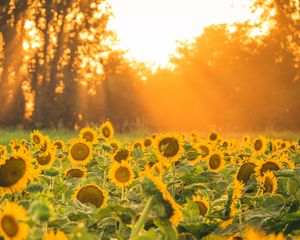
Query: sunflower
{"points": [[45, 160], [80, 152], [246, 139], [268, 183], [3, 152], [14, 145], [75, 172], [236, 236], [285, 159], [169, 147], [193, 156], [245, 171], [122, 154], [115, 144], [121, 173], [50, 235], [213, 137], [106, 130], [147, 142], [251, 233], [13, 221], [46, 145], [204, 150], [202, 204], [283, 145], [156, 169], [137, 144], [238, 187], [21, 149], [267, 165], [91, 194], [153, 135], [89, 135], [195, 140], [259, 145], [225, 144], [15, 172], [36, 138], [173, 209], [59, 145], [215, 162]]}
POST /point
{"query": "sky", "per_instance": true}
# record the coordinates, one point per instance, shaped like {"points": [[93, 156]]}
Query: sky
{"points": [[150, 29]]}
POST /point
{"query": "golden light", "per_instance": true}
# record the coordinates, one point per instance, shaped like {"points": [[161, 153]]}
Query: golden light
{"points": [[150, 29]]}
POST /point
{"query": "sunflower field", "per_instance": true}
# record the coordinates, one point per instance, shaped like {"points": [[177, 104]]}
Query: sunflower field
{"points": [[164, 186]]}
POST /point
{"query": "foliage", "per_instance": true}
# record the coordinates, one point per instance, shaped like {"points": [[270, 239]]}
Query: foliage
{"points": [[182, 198]]}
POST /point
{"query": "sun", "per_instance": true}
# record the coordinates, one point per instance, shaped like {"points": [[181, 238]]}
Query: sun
{"points": [[150, 29]]}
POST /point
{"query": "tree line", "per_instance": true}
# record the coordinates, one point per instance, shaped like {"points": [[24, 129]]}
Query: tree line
{"points": [[58, 67]]}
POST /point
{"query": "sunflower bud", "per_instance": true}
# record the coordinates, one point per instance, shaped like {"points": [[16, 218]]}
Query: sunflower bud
{"points": [[41, 211]]}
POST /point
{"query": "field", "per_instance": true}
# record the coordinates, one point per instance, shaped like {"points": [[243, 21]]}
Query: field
{"points": [[96, 184]]}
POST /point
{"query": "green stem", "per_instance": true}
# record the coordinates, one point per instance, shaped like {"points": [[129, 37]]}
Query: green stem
{"points": [[63, 197], [105, 177], [173, 179], [2, 198], [45, 227], [123, 197], [139, 225]]}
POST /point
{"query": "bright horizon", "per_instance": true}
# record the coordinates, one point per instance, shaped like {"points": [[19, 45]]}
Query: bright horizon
{"points": [[149, 30]]}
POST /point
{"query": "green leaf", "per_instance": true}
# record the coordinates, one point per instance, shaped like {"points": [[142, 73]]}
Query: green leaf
{"points": [[169, 233], [149, 235]]}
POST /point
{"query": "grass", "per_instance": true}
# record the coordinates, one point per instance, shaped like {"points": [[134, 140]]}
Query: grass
{"points": [[7, 134]]}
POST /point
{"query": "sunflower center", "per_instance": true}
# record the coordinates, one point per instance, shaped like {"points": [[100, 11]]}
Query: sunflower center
{"points": [[215, 161], [80, 151], [245, 172], [237, 238], [268, 185], [268, 166], [122, 174], [283, 145], [88, 136], [114, 146], [225, 144], [213, 136], [258, 144], [122, 154], [91, 195], [58, 145], [12, 171], [9, 225], [137, 145], [75, 173], [36, 139], [106, 132], [204, 150], [202, 208], [44, 159], [147, 142], [169, 147]]}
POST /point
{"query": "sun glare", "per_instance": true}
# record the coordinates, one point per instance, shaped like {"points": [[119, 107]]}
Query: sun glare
{"points": [[149, 29]]}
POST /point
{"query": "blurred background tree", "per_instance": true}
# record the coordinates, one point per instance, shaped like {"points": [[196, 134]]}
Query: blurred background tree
{"points": [[234, 77], [59, 67]]}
